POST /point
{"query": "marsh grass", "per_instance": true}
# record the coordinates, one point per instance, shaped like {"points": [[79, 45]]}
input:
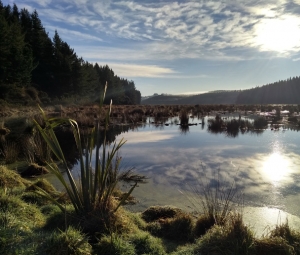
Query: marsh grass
{"points": [[287, 233], [215, 199]]}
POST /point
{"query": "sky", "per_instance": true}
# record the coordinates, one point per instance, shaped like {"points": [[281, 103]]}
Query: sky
{"points": [[180, 47]]}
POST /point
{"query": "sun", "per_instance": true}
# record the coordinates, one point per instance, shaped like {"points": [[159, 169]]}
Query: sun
{"points": [[278, 34]]}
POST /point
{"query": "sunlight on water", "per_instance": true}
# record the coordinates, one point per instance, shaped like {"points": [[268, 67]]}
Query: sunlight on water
{"points": [[276, 167]]}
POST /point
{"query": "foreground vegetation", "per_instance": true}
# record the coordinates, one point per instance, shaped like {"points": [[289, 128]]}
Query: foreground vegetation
{"points": [[31, 224]]}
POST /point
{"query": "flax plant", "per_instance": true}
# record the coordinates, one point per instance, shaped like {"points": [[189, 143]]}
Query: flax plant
{"points": [[97, 182]]}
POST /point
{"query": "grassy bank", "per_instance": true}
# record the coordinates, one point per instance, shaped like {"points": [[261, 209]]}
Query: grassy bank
{"points": [[32, 224]]}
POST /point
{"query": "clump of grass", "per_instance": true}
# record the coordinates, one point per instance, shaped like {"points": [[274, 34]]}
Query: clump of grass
{"points": [[203, 224], [180, 228], [232, 238], [114, 244], [273, 246], [291, 236], [15, 213], [71, 242], [10, 179], [169, 222], [144, 243], [216, 201], [154, 213]]}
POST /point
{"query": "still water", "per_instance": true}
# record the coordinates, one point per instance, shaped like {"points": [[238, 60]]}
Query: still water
{"points": [[264, 165]]}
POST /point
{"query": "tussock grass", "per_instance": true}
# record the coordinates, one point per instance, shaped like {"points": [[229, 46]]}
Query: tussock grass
{"points": [[232, 238], [273, 246], [10, 179], [114, 244], [160, 212], [71, 242], [217, 201]]}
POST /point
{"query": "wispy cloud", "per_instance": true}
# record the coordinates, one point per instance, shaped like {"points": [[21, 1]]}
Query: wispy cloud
{"points": [[132, 70], [170, 30]]}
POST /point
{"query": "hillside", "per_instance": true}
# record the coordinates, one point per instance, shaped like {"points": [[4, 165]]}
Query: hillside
{"points": [[218, 97], [280, 92]]}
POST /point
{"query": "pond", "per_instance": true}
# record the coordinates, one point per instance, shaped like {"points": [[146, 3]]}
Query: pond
{"points": [[263, 164]]}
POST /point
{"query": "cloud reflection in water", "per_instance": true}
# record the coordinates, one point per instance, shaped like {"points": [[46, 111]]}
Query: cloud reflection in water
{"points": [[265, 167]]}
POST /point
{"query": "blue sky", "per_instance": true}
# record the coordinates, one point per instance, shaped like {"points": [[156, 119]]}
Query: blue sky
{"points": [[178, 47]]}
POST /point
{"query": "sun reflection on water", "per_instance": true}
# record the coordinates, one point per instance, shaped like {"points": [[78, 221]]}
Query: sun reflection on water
{"points": [[276, 167]]}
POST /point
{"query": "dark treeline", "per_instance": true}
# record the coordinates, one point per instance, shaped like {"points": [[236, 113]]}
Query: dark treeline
{"points": [[281, 92], [36, 67]]}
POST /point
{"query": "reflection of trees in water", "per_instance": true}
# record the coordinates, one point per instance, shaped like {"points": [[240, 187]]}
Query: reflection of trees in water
{"points": [[67, 141], [232, 128]]}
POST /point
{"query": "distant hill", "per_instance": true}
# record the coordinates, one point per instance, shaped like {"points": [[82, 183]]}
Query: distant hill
{"points": [[281, 92], [217, 97]]}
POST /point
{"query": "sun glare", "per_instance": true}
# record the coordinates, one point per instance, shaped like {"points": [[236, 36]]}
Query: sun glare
{"points": [[276, 167], [280, 35]]}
